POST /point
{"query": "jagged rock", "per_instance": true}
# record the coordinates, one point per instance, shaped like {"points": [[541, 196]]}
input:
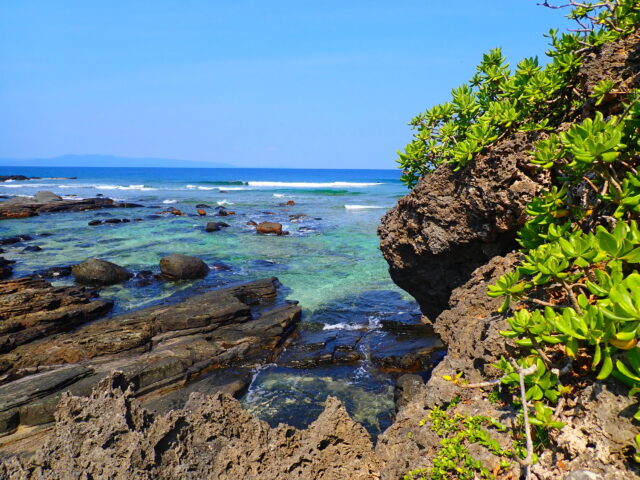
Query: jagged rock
{"points": [[471, 326], [453, 222], [110, 436], [95, 271], [183, 267]]}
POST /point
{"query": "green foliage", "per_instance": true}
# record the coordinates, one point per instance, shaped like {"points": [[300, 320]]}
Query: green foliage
{"points": [[498, 100], [575, 296], [457, 433]]}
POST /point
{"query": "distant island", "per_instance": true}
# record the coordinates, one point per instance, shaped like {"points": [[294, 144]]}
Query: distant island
{"points": [[109, 161]]}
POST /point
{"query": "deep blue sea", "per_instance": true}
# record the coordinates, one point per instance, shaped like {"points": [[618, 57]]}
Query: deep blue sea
{"points": [[330, 262]]}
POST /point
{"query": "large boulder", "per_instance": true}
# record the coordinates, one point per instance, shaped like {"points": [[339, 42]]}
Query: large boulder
{"points": [[453, 222], [95, 271], [183, 267]]}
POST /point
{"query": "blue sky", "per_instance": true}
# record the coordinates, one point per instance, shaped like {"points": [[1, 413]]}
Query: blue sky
{"points": [[296, 83]]}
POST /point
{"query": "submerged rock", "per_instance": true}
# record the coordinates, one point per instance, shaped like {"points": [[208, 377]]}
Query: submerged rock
{"points": [[6, 268], [215, 226], [183, 267], [95, 271]]}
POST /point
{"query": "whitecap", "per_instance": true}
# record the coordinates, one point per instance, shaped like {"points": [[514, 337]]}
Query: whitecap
{"points": [[206, 188], [312, 184], [224, 202], [279, 195], [169, 201], [122, 187]]}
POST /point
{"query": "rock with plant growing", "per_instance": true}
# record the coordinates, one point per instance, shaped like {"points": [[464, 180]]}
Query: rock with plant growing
{"points": [[569, 309]]}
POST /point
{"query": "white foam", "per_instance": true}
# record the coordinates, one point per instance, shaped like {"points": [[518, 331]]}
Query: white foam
{"points": [[224, 202], [311, 184], [28, 185], [169, 201], [122, 187], [345, 326], [230, 189], [279, 195], [361, 207]]}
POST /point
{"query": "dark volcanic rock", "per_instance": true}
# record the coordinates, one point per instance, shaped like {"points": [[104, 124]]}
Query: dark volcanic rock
{"points": [[453, 222], [14, 240], [183, 267], [5, 178], [54, 272], [215, 226], [95, 271], [5, 268], [31, 248]]}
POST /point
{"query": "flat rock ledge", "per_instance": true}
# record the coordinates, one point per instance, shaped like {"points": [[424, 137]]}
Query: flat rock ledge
{"points": [[21, 207], [208, 342]]}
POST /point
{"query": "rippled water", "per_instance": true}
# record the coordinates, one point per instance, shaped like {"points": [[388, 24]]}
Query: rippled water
{"points": [[330, 262]]}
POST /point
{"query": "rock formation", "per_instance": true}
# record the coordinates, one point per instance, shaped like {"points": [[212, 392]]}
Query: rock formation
{"points": [[47, 202], [158, 349]]}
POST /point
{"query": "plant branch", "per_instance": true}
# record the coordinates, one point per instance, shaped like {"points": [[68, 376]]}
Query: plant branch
{"points": [[525, 414]]}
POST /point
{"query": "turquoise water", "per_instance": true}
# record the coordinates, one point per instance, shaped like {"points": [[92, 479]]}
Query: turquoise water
{"points": [[330, 262]]}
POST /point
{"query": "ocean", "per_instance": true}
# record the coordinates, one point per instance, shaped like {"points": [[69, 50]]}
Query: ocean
{"points": [[330, 261]]}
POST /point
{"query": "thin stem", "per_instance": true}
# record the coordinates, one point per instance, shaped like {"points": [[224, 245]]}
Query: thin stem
{"points": [[572, 297], [525, 414]]}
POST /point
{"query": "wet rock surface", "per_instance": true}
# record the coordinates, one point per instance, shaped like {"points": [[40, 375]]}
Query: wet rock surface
{"points": [[95, 271]]}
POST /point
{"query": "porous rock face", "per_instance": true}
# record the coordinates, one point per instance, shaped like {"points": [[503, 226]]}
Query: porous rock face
{"points": [[110, 436], [453, 222], [599, 431]]}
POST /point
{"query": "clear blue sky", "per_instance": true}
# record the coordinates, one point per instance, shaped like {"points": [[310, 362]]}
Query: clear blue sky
{"points": [[309, 84]]}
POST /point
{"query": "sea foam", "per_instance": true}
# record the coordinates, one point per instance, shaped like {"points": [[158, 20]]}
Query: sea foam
{"points": [[311, 184]]}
